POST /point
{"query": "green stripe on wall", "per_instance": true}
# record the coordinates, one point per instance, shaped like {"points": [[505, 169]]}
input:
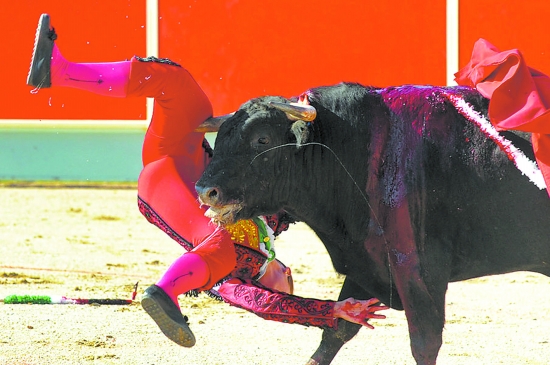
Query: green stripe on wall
{"points": [[70, 154]]}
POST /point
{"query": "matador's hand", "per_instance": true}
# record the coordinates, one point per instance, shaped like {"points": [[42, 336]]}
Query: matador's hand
{"points": [[359, 311]]}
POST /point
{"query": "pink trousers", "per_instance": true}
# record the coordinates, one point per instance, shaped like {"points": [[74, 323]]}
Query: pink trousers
{"points": [[174, 158]]}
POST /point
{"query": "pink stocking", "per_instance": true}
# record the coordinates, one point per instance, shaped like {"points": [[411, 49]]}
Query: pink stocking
{"points": [[109, 78], [188, 272]]}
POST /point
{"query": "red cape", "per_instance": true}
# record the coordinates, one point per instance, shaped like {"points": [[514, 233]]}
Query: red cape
{"points": [[520, 95]]}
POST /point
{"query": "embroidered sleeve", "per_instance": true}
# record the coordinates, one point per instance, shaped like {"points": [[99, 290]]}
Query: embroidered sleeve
{"points": [[278, 306]]}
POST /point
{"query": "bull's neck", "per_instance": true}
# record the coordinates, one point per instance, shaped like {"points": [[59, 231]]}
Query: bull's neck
{"points": [[331, 178]]}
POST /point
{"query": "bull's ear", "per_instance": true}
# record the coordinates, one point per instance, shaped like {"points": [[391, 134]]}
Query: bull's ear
{"points": [[301, 132]]}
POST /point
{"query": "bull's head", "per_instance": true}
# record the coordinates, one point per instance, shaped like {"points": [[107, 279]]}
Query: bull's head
{"points": [[249, 149]]}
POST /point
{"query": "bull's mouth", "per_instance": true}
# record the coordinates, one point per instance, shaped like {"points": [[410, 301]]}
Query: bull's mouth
{"points": [[224, 214]]}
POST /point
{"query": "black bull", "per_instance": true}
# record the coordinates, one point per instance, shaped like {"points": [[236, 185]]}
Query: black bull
{"points": [[406, 194]]}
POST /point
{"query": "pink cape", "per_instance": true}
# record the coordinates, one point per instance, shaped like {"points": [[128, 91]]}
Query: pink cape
{"points": [[520, 95]]}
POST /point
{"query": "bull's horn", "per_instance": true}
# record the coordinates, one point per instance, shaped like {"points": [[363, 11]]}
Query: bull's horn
{"points": [[213, 124], [296, 111]]}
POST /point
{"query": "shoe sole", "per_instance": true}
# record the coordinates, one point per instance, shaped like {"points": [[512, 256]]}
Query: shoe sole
{"points": [[173, 330], [42, 29]]}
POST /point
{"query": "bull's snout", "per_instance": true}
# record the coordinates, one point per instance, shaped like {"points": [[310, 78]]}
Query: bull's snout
{"points": [[208, 195]]}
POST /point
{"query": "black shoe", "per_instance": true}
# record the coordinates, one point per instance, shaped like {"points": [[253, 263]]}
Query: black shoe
{"points": [[167, 315], [39, 73]]}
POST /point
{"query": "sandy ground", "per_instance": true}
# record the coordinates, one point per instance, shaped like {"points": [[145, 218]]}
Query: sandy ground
{"points": [[93, 243]]}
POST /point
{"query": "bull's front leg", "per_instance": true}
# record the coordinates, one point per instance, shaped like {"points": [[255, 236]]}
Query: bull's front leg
{"points": [[421, 287], [425, 314], [332, 341]]}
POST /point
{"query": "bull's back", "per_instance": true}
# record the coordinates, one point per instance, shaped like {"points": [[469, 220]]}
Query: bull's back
{"points": [[477, 206]]}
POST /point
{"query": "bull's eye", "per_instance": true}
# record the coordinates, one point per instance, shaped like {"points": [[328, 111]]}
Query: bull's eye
{"points": [[263, 140]]}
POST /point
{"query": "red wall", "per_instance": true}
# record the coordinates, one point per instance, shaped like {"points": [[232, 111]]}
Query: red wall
{"points": [[507, 24], [88, 31], [241, 49]]}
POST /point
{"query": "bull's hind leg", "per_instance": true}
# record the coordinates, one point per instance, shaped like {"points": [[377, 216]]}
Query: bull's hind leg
{"points": [[332, 341]]}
